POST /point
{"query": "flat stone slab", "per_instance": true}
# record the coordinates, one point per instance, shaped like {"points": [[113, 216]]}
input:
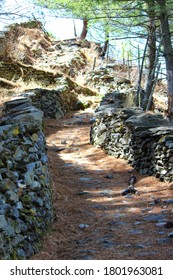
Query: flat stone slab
{"points": [[85, 179], [155, 218]]}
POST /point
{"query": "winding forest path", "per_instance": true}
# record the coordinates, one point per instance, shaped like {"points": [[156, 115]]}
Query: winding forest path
{"points": [[92, 219]]}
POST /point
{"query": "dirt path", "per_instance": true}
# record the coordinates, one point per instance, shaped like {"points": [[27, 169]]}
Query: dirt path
{"points": [[92, 219]]}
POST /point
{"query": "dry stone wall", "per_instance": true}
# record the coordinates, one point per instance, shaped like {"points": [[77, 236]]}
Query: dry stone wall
{"points": [[145, 140], [53, 103], [49, 101], [25, 194], [28, 73], [105, 79]]}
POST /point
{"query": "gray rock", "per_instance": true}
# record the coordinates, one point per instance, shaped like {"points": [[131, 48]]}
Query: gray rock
{"points": [[128, 196], [28, 249], [18, 239], [106, 192], [147, 120], [13, 213], [12, 197], [149, 253], [79, 105], [83, 193], [168, 201], [109, 176], [85, 179], [161, 224], [140, 246], [35, 185], [2, 210], [9, 230], [16, 103], [164, 240], [21, 225], [18, 154], [135, 231], [155, 218], [31, 166], [21, 254], [59, 114], [105, 242], [83, 226], [88, 251], [44, 158], [28, 178], [86, 258], [117, 223], [13, 175], [4, 129], [137, 223], [92, 120], [6, 208], [170, 234], [3, 222], [19, 205], [39, 202], [33, 150], [6, 185]]}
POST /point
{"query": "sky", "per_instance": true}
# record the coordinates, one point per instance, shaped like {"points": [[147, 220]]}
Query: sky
{"points": [[60, 28]]}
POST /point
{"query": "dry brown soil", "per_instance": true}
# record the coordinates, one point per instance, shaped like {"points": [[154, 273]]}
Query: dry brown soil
{"points": [[92, 220]]}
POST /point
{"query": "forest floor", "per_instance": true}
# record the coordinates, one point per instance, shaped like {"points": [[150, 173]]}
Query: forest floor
{"points": [[92, 220]]}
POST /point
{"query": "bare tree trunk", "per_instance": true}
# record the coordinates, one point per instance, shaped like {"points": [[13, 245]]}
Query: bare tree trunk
{"points": [[105, 47], [150, 99], [151, 52], [75, 33], [168, 51], [139, 93], [84, 30]]}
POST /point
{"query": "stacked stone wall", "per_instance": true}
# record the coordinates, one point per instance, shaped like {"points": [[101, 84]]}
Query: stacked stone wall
{"points": [[145, 140], [53, 103], [25, 194], [15, 71]]}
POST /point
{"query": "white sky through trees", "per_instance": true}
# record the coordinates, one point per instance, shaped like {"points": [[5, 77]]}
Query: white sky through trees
{"points": [[60, 28]]}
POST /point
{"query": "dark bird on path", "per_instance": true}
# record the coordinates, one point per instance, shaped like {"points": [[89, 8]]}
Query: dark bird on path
{"points": [[168, 224], [131, 189], [132, 180]]}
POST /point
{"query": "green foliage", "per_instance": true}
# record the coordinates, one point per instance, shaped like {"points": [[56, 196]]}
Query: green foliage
{"points": [[29, 24], [114, 18], [77, 8], [50, 34]]}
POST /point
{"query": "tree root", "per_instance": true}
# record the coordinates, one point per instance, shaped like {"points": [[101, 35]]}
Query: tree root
{"points": [[9, 83]]}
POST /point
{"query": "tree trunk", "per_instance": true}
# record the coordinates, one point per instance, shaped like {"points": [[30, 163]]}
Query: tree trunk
{"points": [[139, 97], [168, 51], [84, 30], [105, 46], [75, 33], [150, 99], [151, 52]]}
